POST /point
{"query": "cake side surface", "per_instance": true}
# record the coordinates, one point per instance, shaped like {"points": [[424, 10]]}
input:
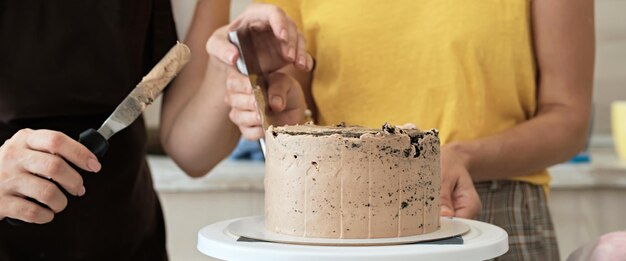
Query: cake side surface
{"points": [[429, 169], [284, 206], [351, 182]]}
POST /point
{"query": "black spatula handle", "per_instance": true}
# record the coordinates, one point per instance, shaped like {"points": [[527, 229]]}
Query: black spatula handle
{"points": [[91, 139], [94, 141]]}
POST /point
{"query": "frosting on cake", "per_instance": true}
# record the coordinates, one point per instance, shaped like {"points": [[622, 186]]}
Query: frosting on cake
{"points": [[351, 182]]}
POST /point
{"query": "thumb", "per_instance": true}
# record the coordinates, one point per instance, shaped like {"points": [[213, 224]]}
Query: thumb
{"points": [[446, 211], [219, 46], [447, 206], [466, 199], [279, 86]]}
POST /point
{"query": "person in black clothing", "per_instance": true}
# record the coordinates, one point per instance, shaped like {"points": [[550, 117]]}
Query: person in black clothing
{"points": [[64, 67]]}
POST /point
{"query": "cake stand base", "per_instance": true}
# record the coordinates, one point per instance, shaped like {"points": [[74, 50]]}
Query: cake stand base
{"points": [[483, 241]]}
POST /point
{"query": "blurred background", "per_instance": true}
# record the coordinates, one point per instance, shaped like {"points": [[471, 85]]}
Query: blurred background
{"points": [[587, 193]]}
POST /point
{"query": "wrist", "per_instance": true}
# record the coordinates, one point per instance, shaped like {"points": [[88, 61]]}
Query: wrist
{"points": [[462, 151]]}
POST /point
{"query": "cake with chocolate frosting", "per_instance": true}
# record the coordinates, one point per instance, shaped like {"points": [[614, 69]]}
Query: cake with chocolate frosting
{"points": [[351, 182]]}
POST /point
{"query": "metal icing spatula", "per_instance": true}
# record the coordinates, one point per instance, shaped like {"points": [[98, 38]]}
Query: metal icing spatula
{"points": [[133, 105], [136, 102], [248, 64]]}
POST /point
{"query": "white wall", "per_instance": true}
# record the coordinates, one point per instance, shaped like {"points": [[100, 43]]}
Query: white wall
{"points": [[610, 75]]}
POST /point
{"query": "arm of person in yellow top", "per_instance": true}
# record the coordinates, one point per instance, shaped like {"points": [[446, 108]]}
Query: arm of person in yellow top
{"points": [[195, 128], [564, 49]]}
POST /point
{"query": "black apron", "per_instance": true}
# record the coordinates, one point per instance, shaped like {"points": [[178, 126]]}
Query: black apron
{"points": [[66, 65]]}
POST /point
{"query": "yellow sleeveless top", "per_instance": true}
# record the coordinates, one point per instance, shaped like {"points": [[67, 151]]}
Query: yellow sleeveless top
{"points": [[464, 67]]}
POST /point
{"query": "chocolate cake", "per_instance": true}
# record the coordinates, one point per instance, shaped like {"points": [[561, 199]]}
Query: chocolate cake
{"points": [[351, 182]]}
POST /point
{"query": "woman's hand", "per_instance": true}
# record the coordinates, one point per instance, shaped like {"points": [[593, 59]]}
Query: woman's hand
{"points": [[286, 102], [278, 44], [29, 162], [276, 38], [458, 194]]}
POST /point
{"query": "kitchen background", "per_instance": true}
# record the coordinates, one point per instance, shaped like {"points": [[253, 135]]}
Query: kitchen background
{"points": [[586, 199]]}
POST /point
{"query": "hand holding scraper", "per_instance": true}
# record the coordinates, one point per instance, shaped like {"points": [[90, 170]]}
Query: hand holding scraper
{"points": [[259, 56]]}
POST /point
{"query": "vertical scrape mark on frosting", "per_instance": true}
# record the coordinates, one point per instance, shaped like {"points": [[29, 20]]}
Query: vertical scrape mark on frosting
{"points": [[340, 173], [401, 204], [306, 201], [369, 190]]}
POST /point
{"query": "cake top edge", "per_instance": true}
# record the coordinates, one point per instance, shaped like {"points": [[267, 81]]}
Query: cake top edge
{"points": [[350, 131]]}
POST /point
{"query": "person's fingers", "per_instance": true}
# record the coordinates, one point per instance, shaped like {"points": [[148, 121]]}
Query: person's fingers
{"points": [[302, 55], [22, 209], [285, 40], [238, 83], [53, 167], [279, 22], [235, 24], [271, 14], [446, 209], [55, 142], [292, 42], [219, 46], [245, 118], [466, 201], [252, 133], [447, 188], [310, 62], [41, 190], [279, 86], [467, 206], [244, 102], [271, 22]]}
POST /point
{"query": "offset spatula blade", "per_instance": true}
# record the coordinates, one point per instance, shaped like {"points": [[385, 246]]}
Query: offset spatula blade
{"points": [[147, 90]]}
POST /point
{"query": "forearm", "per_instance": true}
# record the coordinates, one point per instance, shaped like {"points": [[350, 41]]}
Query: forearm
{"points": [[563, 33], [195, 130], [202, 135], [553, 136]]}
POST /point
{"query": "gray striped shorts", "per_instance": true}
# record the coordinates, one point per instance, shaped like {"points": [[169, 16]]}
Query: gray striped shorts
{"points": [[521, 209]]}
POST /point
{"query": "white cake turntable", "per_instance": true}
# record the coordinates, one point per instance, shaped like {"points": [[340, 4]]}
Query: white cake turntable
{"points": [[476, 241]]}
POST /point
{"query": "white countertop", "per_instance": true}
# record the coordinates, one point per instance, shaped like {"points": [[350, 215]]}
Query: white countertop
{"points": [[605, 170], [228, 175]]}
